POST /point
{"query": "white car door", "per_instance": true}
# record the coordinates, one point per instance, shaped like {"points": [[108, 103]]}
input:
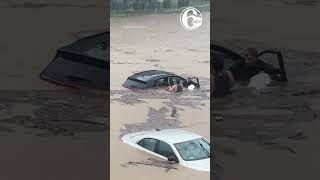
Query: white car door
{"points": [[149, 145]]}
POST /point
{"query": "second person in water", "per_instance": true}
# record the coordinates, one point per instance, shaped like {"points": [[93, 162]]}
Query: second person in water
{"points": [[178, 87]]}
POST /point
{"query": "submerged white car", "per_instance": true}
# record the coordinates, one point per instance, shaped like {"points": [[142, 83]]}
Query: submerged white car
{"points": [[186, 148]]}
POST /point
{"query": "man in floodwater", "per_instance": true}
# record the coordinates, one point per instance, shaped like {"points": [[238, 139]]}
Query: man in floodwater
{"points": [[251, 66], [176, 87], [223, 80]]}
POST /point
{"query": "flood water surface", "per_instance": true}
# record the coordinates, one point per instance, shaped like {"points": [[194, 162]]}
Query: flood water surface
{"points": [[159, 42]]}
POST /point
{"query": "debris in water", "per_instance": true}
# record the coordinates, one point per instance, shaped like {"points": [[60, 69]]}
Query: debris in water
{"points": [[155, 163], [219, 118], [260, 81], [298, 136], [173, 112]]}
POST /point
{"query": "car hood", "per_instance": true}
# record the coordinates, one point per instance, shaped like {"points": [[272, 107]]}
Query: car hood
{"points": [[200, 165]]}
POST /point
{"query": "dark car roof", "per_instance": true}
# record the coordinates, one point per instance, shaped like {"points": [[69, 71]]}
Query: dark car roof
{"points": [[220, 53], [83, 63], [221, 49], [151, 74], [94, 46]]}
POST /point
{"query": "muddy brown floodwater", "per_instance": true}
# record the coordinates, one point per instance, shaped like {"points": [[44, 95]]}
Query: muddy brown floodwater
{"points": [[156, 42]]}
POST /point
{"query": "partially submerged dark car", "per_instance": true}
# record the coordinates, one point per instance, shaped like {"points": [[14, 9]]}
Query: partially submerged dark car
{"points": [[157, 79], [82, 64]]}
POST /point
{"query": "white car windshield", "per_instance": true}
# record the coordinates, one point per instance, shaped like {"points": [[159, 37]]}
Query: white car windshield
{"points": [[193, 150]]}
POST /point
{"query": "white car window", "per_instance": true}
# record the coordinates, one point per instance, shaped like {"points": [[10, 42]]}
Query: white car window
{"points": [[165, 150], [163, 82], [204, 144], [148, 143], [175, 78], [193, 150]]}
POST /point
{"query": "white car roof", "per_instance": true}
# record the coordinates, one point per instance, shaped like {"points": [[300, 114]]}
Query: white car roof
{"points": [[172, 135]]}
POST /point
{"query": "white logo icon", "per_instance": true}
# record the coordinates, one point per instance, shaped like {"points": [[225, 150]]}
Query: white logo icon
{"points": [[191, 18]]}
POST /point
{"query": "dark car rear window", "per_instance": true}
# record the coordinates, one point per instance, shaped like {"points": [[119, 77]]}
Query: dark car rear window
{"points": [[135, 83], [71, 71], [83, 63], [226, 55]]}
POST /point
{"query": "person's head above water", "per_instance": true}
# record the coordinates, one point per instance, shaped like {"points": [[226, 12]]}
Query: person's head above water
{"points": [[251, 56], [217, 63]]}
